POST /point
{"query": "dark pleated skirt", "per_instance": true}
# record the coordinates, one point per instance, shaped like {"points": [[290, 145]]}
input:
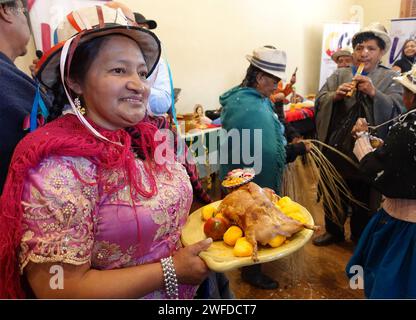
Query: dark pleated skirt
{"points": [[387, 253]]}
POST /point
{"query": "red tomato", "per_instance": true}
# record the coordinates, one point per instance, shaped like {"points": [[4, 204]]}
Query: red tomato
{"points": [[215, 228]]}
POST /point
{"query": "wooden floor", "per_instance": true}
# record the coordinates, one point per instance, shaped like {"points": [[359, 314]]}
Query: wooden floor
{"points": [[311, 273]]}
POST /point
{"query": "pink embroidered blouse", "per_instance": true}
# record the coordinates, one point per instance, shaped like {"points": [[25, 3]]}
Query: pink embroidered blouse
{"points": [[71, 218]]}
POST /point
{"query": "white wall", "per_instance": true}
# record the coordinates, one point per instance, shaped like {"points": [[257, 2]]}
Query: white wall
{"points": [[380, 11], [24, 62], [206, 41]]}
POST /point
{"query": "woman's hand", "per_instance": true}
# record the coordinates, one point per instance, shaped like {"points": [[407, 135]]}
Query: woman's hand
{"points": [[360, 126], [190, 268], [342, 91]]}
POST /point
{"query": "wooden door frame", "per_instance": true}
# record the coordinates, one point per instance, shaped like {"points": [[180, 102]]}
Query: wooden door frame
{"points": [[408, 8]]}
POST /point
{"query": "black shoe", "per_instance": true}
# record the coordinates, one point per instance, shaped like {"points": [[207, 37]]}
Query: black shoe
{"points": [[259, 280], [326, 239]]}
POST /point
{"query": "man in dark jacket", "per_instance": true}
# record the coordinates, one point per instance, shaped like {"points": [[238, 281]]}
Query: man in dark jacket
{"points": [[17, 90], [377, 98]]}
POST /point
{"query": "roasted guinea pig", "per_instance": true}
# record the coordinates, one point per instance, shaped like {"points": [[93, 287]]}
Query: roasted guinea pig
{"points": [[252, 209]]}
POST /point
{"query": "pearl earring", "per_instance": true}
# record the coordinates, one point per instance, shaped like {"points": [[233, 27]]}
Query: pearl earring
{"points": [[80, 108]]}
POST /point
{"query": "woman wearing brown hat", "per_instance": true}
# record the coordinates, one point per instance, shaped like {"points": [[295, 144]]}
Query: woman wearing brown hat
{"points": [[386, 251], [86, 208]]}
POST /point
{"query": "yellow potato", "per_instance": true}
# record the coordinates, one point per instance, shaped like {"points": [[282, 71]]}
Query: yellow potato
{"points": [[291, 208], [232, 235], [277, 241], [208, 212], [297, 216], [284, 201], [243, 248]]}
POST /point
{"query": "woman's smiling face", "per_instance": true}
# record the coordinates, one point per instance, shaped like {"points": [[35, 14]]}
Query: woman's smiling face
{"points": [[115, 90], [410, 48]]}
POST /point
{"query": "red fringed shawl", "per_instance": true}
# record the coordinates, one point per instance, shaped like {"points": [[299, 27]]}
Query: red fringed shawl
{"points": [[65, 136]]}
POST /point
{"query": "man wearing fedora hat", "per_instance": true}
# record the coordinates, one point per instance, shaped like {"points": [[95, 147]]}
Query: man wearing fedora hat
{"points": [[17, 90], [377, 98], [342, 57]]}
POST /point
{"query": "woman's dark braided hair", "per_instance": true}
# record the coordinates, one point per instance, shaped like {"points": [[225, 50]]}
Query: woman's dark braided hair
{"points": [[250, 79], [59, 101], [81, 62]]}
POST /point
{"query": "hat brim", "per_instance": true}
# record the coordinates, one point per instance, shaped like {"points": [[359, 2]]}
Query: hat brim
{"points": [[340, 53], [404, 81], [48, 66], [152, 24], [140, 19], [279, 74]]}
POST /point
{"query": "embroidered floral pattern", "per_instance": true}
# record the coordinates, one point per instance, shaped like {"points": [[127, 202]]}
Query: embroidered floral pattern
{"points": [[166, 206], [57, 216], [106, 254], [69, 218]]}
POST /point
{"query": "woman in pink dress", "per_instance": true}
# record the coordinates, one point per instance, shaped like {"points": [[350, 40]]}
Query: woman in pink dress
{"points": [[85, 199]]}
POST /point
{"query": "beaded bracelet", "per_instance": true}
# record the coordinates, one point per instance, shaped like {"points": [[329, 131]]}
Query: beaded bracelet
{"points": [[169, 274]]}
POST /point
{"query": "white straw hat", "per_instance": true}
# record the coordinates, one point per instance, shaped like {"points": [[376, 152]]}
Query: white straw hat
{"points": [[90, 23], [379, 31], [81, 26], [271, 61], [408, 79]]}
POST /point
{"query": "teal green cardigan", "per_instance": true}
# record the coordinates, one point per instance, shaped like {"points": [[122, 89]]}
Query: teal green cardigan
{"points": [[246, 108]]}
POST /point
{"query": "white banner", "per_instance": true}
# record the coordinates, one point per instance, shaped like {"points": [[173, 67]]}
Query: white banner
{"points": [[401, 30], [45, 15], [335, 36]]}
